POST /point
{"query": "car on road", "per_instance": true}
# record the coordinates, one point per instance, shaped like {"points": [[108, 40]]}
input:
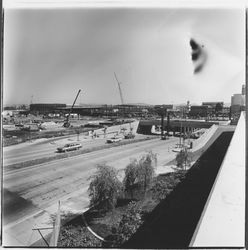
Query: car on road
{"points": [[129, 136], [180, 147], [69, 147], [114, 139]]}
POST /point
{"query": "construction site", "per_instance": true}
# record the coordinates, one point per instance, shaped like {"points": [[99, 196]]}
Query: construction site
{"points": [[123, 127], [51, 150]]}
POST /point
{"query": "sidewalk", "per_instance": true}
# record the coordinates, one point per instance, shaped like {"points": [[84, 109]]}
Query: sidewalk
{"points": [[222, 223]]}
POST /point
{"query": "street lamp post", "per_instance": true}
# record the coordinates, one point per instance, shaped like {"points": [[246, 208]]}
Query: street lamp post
{"points": [[162, 110], [162, 125]]}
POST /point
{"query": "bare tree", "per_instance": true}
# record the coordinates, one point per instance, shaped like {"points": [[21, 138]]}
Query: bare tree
{"points": [[183, 159]]}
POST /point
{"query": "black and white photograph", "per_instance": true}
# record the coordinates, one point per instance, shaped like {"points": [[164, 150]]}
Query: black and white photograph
{"points": [[123, 125]]}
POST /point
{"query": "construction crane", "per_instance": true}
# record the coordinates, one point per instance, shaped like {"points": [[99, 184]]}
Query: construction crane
{"points": [[67, 123], [119, 86]]}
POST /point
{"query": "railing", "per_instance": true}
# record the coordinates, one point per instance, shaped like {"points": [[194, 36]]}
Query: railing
{"points": [[204, 137]]}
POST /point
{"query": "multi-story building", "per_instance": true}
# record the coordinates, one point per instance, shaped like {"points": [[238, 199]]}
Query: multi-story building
{"points": [[213, 104], [238, 99], [238, 102], [243, 89]]}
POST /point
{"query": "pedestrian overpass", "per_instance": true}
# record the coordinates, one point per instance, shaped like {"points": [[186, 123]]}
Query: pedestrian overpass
{"points": [[145, 126]]}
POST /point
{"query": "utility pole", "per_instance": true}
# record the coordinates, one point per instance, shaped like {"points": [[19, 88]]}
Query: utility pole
{"points": [[180, 140], [161, 110], [168, 123], [162, 125]]}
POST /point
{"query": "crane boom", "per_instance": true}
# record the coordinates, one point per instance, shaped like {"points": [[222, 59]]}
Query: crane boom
{"points": [[67, 124], [119, 86]]}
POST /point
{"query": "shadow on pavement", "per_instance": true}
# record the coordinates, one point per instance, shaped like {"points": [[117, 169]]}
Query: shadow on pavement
{"points": [[15, 207]]}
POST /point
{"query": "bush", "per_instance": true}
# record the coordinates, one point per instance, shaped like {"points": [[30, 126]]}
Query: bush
{"points": [[71, 236], [104, 187], [163, 185], [160, 189], [129, 223]]}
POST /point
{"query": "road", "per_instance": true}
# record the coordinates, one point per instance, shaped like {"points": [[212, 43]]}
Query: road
{"points": [[47, 147], [43, 148], [31, 194], [45, 184]]}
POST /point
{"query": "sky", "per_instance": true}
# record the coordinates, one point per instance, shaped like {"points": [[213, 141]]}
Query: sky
{"points": [[49, 54]]}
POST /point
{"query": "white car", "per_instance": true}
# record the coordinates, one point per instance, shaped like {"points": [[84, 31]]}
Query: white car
{"points": [[114, 139], [179, 148], [69, 147]]}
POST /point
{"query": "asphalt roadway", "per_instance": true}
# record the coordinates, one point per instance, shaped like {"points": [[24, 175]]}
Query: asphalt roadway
{"points": [[31, 194], [48, 147], [38, 188], [46, 183]]}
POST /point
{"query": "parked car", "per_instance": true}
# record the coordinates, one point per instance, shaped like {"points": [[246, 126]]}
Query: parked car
{"points": [[69, 147], [129, 136], [114, 139], [181, 147]]}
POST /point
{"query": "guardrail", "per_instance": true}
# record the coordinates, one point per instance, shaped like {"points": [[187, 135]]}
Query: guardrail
{"points": [[205, 137]]}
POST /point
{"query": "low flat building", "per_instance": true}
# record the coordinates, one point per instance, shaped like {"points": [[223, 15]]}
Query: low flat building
{"points": [[45, 108], [198, 111]]}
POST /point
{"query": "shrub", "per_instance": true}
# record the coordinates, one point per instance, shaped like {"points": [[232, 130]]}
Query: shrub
{"points": [[129, 223], [163, 185], [160, 189], [79, 236], [104, 187]]}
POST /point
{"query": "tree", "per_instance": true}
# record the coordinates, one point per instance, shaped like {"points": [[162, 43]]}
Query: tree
{"points": [[183, 158], [146, 170], [218, 107], [131, 172], [104, 188]]}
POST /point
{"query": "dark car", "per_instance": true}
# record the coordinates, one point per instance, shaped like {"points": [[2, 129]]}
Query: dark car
{"points": [[129, 136], [114, 139], [69, 147]]}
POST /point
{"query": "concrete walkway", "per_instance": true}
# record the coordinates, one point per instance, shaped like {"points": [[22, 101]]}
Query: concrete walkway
{"points": [[222, 223]]}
